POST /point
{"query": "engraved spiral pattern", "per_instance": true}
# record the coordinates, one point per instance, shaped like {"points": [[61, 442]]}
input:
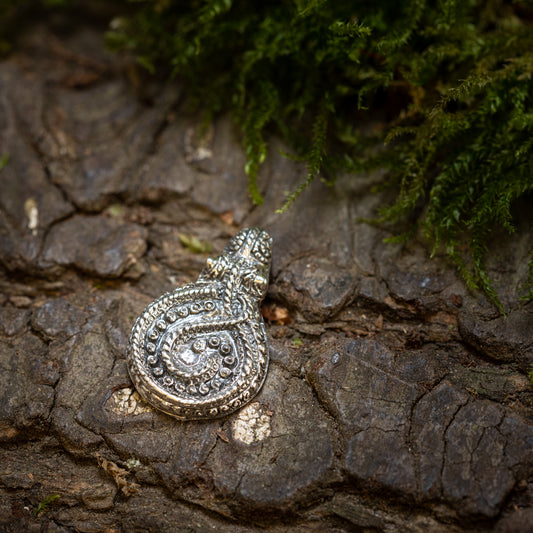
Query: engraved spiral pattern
{"points": [[200, 352]]}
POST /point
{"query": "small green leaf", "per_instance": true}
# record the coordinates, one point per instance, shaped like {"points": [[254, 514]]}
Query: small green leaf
{"points": [[194, 244], [116, 210], [147, 63], [4, 161], [45, 504]]}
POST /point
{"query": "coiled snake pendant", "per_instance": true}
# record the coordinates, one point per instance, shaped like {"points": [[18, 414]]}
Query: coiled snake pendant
{"points": [[200, 352]]}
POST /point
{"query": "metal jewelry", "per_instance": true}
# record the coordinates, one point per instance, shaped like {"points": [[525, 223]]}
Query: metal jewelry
{"points": [[200, 351]]}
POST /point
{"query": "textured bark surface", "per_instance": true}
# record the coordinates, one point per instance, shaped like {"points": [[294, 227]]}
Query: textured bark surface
{"points": [[396, 400]]}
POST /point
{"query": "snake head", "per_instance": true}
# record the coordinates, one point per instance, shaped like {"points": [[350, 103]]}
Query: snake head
{"points": [[256, 284], [252, 246], [246, 258]]}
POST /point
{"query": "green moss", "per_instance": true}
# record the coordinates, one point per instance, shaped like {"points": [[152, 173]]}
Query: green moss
{"points": [[194, 244], [452, 80], [297, 342], [443, 89]]}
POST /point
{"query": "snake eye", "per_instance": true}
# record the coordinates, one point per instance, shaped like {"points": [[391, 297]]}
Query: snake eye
{"points": [[256, 284], [260, 283]]}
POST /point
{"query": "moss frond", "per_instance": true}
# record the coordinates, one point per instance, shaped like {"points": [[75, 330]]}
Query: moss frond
{"points": [[314, 157], [259, 112]]}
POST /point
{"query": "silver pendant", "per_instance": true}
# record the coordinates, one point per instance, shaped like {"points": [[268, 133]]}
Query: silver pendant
{"points": [[200, 352]]}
